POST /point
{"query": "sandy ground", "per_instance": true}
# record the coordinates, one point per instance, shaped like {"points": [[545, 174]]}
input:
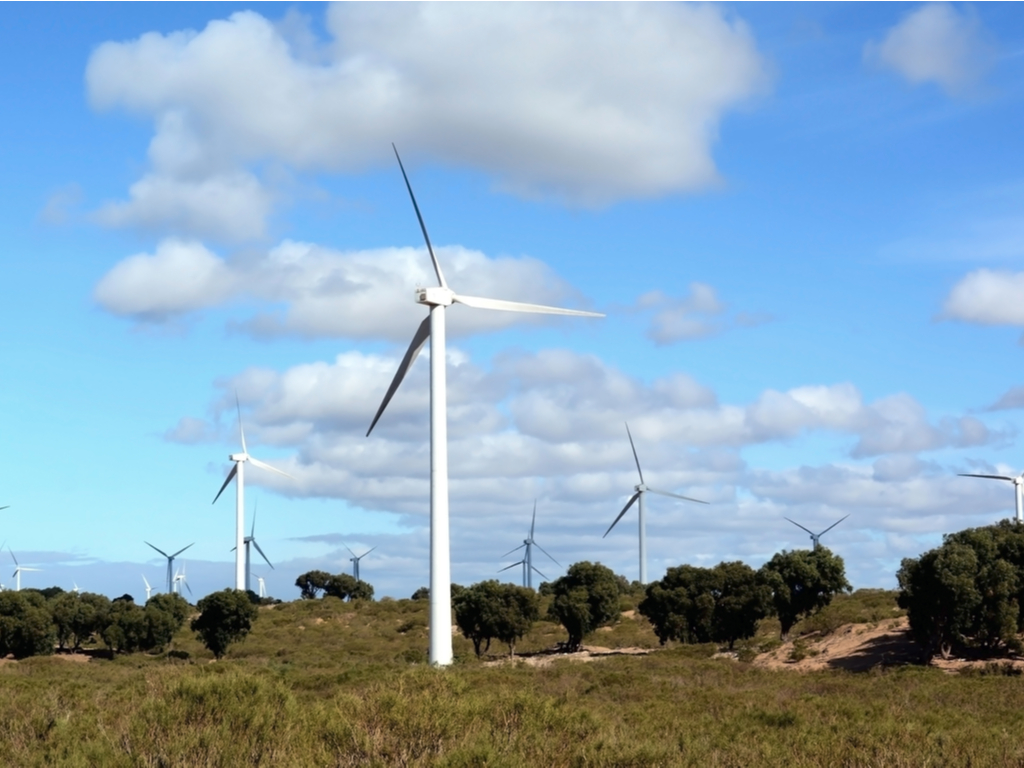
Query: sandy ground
{"points": [[588, 654]]}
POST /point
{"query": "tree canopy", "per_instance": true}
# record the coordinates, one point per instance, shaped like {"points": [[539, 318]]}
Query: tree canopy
{"points": [[225, 617], [803, 581], [492, 610], [586, 598]]}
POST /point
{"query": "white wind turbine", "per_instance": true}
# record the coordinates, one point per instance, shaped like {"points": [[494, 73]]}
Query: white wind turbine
{"points": [[263, 586], [170, 563], [251, 539], [527, 561], [241, 569], [641, 491], [355, 560], [17, 571], [180, 580], [437, 300], [816, 536], [1018, 484], [149, 589]]}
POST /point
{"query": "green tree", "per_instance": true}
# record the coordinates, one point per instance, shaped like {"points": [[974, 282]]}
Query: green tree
{"points": [[345, 587], [78, 616], [165, 614], [803, 581], [26, 626], [492, 610], [701, 605], [312, 583], [586, 598], [225, 617], [126, 630]]}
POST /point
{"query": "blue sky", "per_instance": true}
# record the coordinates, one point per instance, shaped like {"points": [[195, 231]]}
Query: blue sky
{"points": [[802, 221]]}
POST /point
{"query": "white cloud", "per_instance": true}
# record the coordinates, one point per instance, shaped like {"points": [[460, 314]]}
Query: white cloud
{"points": [[181, 276], [583, 103], [327, 293], [1012, 398], [698, 315], [935, 43], [988, 297]]}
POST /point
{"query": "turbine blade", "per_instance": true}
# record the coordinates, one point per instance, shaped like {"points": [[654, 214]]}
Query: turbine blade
{"points": [[675, 495], [991, 477], [629, 504], [180, 551], [422, 334], [635, 457], [261, 553], [430, 248], [264, 465], [187, 586], [367, 552], [230, 477], [511, 566], [6, 507], [513, 550], [538, 546], [794, 522], [518, 306], [837, 522], [255, 506], [241, 431], [12, 555], [537, 570], [350, 551], [156, 548], [146, 581], [534, 521]]}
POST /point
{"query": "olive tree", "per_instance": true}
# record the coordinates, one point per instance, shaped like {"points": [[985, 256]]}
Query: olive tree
{"points": [[492, 610], [225, 617], [803, 581], [26, 626]]}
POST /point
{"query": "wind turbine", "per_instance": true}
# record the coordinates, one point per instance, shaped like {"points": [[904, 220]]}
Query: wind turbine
{"points": [[17, 571], [355, 560], [76, 590], [527, 561], [241, 569], [149, 589], [1018, 484], [437, 299], [641, 491], [263, 586], [816, 536], [179, 580], [251, 539], [170, 563]]}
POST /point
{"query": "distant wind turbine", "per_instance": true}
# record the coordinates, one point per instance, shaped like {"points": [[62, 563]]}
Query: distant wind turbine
{"points": [[170, 563], [149, 589], [641, 491], [527, 561], [816, 536], [251, 539], [180, 580], [355, 560], [17, 571], [263, 586], [438, 299], [1018, 484], [76, 590]]}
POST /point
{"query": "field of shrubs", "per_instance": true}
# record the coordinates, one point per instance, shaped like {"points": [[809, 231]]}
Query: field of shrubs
{"points": [[324, 682]]}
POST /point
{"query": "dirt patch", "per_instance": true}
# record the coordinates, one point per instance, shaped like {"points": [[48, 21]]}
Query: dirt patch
{"points": [[78, 658], [588, 654]]}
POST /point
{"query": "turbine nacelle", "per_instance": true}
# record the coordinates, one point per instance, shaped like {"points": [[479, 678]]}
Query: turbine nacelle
{"points": [[435, 297], [239, 456]]}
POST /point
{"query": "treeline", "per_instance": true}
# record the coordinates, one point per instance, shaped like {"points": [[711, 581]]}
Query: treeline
{"points": [[36, 622], [341, 585], [722, 604]]}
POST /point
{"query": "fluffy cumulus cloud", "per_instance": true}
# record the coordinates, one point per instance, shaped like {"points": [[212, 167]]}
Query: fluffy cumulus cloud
{"points": [[936, 43], [549, 426], [326, 293], [582, 103], [989, 297]]}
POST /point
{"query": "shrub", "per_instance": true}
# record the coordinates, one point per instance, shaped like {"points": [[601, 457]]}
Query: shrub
{"points": [[225, 617]]}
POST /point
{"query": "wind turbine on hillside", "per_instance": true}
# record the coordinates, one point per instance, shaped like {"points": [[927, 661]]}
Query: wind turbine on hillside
{"points": [[170, 564], [17, 571], [149, 589], [251, 539], [527, 561], [816, 536], [1018, 484], [263, 586], [180, 580], [642, 490], [355, 560], [437, 300], [241, 568]]}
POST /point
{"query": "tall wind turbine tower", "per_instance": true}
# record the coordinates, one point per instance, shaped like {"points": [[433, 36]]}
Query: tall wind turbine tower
{"points": [[527, 561], [437, 300], [17, 571], [1018, 485], [170, 564], [355, 560], [241, 569], [816, 536], [641, 491], [251, 539]]}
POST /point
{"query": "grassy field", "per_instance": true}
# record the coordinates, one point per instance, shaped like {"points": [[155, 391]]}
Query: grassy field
{"points": [[325, 683]]}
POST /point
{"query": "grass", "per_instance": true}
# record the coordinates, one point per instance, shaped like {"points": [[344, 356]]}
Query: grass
{"points": [[326, 683]]}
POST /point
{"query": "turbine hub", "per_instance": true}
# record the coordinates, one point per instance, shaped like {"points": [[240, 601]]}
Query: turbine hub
{"points": [[640, 488], [435, 297], [239, 457]]}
